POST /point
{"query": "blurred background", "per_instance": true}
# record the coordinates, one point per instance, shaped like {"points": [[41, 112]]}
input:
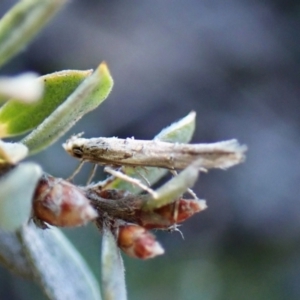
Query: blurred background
{"points": [[237, 64]]}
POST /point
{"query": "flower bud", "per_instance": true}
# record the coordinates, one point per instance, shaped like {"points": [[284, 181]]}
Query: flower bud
{"points": [[60, 203], [171, 214], [137, 242]]}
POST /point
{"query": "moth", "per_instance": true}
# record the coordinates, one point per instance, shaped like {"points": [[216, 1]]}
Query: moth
{"points": [[154, 153]]}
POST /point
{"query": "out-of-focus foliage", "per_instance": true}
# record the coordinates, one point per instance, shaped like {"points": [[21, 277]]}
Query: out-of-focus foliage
{"points": [[113, 272], [17, 117], [47, 258], [24, 87], [22, 23], [17, 190], [88, 95], [56, 262]]}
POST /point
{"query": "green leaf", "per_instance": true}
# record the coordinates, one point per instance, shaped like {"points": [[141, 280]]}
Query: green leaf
{"points": [[179, 132], [18, 118], [22, 23], [58, 267], [113, 277], [16, 192], [89, 94], [175, 187]]}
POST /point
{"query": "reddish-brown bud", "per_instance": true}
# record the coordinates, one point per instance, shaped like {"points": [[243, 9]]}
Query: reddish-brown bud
{"points": [[171, 214], [60, 203], [137, 242]]}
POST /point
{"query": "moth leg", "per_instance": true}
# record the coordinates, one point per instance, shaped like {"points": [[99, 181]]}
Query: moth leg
{"points": [[92, 174], [129, 179], [77, 170]]}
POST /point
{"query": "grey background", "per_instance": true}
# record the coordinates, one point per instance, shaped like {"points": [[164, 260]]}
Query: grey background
{"points": [[236, 63]]}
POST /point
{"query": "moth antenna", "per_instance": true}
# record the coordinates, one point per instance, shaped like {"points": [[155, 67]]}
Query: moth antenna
{"points": [[129, 179]]}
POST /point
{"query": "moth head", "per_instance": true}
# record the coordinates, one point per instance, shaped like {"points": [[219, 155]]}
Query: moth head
{"points": [[74, 146]]}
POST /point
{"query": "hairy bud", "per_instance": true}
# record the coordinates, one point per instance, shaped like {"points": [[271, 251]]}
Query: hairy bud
{"points": [[137, 242], [60, 203], [171, 214]]}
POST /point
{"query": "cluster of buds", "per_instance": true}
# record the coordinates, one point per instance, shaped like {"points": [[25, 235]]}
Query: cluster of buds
{"points": [[133, 235], [60, 203]]}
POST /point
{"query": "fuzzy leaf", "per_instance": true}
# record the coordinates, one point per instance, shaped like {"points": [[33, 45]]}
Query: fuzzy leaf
{"points": [[175, 187], [18, 118], [16, 192], [178, 132], [58, 267], [12, 255], [22, 23], [89, 94], [113, 278]]}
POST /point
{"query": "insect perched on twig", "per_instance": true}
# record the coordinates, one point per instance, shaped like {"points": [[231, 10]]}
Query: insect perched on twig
{"points": [[115, 152], [130, 152]]}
